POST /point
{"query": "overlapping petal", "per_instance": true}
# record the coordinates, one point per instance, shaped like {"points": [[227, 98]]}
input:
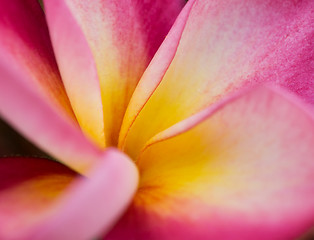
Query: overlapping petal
{"points": [[25, 37], [156, 70], [242, 169], [225, 45], [38, 202], [32, 114], [28, 188], [123, 37]]}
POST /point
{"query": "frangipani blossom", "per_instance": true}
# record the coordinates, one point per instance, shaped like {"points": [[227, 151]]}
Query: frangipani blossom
{"points": [[205, 132]]}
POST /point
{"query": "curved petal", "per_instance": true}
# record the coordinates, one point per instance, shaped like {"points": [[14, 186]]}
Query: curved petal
{"points": [[156, 70], [78, 69], [92, 206], [34, 200], [240, 170], [24, 36], [122, 36], [228, 45], [28, 187], [28, 111]]}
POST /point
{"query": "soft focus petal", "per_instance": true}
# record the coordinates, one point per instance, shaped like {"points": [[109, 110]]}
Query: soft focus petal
{"points": [[78, 69], [122, 36], [227, 45], [93, 205], [28, 111], [24, 36], [242, 169], [29, 208], [28, 188]]}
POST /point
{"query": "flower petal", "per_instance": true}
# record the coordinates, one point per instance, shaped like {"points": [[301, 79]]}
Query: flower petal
{"points": [[28, 187], [240, 170], [34, 203], [77, 68], [156, 70], [122, 36], [227, 45], [92, 206], [25, 38], [28, 111]]}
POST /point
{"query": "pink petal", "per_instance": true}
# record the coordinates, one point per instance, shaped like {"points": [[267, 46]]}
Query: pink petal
{"points": [[32, 114], [225, 45], [28, 189], [92, 206], [122, 36], [34, 203], [242, 169], [25, 38], [78, 69], [156, 70]]}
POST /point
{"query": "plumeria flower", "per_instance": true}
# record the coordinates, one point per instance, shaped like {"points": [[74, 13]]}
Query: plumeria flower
{"points": [[205, 131]]}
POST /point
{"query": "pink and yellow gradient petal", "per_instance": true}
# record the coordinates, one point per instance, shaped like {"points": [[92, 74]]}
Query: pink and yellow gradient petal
{"points": [[32, 114], [28, 187], [122, 36], [156, 70], [225, 45], [242, 169], [25, 37], [42, 199], [78, 69]]}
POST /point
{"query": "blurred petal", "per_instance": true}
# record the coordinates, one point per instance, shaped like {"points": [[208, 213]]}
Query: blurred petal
{"points": [[92, 206], [122, 36], [28, 188], [78, 69], [242, 169], [25, 38], [227, 45], [29, 208], [28, 111]]}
